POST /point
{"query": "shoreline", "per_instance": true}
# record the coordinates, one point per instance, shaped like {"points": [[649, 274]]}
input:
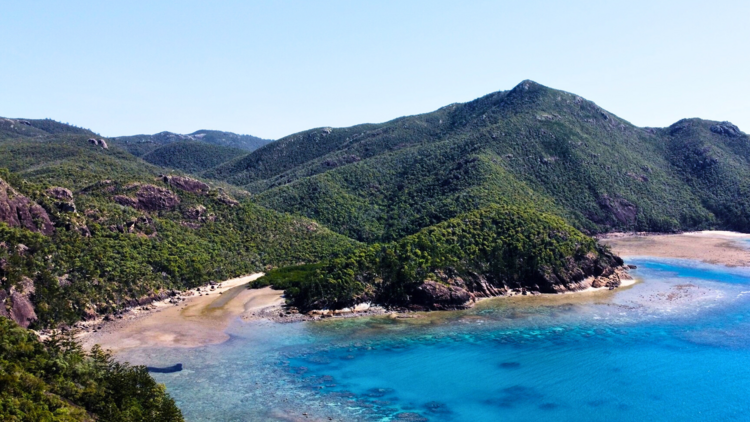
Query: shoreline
{"points": [[712, 247], [198, 320], [186, 320]]}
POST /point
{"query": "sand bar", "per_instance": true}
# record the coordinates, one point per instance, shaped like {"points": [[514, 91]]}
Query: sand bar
{"points": [[196, 321], [713, 247]]}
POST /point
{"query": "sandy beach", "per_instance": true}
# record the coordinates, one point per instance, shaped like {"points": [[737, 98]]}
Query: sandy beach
{"points": [[202, 318], [713, 247], [198, 320]]}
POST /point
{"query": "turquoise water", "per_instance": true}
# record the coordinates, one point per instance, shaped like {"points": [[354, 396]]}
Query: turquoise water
{"points": [[674, 347]]}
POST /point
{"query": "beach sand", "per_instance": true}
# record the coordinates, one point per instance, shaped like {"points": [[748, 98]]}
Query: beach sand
{"points": [[202, 319], [196, 321], [713, 247]]}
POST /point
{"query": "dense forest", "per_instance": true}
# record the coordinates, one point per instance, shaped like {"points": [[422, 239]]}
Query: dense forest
{"points": [[531, 145], [482, 253]]}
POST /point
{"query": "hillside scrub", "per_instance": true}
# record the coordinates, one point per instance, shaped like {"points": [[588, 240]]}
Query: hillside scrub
{"points": [[486, 252]]}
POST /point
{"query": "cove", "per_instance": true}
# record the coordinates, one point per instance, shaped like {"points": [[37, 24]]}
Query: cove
{"points": [[675, 346]]}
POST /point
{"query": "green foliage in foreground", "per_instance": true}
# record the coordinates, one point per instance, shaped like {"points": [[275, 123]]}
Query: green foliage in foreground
{"points": [[508, 246], [58, 381]]}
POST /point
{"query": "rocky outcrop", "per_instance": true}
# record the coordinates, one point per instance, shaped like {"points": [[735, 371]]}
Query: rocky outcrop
{"points": [[622, 210], [227, 200], [99, 142], [17, 210], [16, 303], [154, 198], [64, 199], [436, 296], [187, 184], [454, 291], [61, 194], [726, 129], [195, 213], [126, 201], [150, 198], [3, 305]]}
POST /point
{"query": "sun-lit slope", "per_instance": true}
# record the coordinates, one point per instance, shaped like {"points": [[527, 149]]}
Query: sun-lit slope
{"points": [[530, 144], [192, 156]]}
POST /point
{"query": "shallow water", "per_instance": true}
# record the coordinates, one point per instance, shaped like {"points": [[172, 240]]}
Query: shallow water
{"points": [[674, 347]]}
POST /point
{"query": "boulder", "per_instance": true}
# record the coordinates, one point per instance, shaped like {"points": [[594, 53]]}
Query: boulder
{"points": [[22, 310], [17, 210], [60, 193], [436, 296], [726, 129], [99, 142]]}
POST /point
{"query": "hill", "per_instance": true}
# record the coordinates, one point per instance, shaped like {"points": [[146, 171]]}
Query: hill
{"points": [[35, 128], [494, 251], [532, 146], [192, 156], [139, 145]]}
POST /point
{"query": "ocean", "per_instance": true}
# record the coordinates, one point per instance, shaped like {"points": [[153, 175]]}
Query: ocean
{"points": [[673, 347]]}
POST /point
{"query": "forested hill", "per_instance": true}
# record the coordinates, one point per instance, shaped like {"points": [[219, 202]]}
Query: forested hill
{"points": [[87, 228], [494, 251], [532, 145], [141, 144]]}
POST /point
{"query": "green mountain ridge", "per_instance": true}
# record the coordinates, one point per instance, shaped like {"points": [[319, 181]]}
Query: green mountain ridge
{"points": [[141, 144], [531, 145]]}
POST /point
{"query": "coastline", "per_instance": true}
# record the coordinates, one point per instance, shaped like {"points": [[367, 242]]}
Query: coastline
{"points": [[197, 320], [187, 320]]}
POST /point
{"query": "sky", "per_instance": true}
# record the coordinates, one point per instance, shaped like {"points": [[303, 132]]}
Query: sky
{"points": [[273, 68]]}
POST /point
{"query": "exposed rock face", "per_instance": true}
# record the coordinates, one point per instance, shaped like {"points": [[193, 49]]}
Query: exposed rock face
{"points": [[186, 184], [21, 308], [153, 198], [726, 129], [621, 209], [452, 291], [437, 296], [19, 211], [150, 198], [126, 201]]}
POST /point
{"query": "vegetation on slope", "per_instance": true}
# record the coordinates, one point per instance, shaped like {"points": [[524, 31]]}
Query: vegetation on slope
{"points": [[117, 242], [140, 145], [58, 381], [483, 252], [531, 145], [192, 156]]}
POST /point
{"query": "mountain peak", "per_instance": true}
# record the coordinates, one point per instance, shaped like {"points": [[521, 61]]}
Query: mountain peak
{"points": [[525, 85]]}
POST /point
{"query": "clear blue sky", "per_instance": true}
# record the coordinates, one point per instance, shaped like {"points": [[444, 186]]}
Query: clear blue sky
{"points": [[274, 68]]}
